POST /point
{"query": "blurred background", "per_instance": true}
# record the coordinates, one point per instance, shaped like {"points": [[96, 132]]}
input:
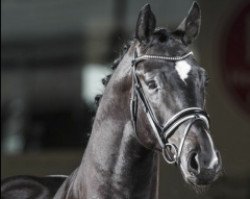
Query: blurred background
{"points": [[55, 52]]}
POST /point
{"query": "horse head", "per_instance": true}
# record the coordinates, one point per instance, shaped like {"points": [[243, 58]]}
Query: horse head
{"points": [[168, 97]]}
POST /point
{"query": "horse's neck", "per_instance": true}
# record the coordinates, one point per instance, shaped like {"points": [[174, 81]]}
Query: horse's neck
{"points": [[115, 165]]}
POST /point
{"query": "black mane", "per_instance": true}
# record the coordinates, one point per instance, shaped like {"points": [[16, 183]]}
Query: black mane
{"points": [[116, 62]]}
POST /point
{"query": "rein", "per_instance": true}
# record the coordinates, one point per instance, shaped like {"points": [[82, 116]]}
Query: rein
{"points": [[165, 131]]}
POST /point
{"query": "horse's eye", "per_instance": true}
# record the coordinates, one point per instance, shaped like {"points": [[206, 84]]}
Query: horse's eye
{"points": [[151, 84]]}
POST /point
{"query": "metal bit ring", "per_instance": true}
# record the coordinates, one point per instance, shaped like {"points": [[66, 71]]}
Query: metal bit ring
{"points": [[166, 153]]}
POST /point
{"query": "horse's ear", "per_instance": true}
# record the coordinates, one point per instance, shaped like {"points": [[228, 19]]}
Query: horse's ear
{"points": [[189, 28], [145, 24]]}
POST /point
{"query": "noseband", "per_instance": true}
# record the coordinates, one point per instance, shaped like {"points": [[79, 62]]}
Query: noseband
{"points": [[164, 132]]}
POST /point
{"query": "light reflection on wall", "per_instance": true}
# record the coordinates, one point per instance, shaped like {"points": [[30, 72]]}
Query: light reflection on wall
{"points": [[91, 83]]}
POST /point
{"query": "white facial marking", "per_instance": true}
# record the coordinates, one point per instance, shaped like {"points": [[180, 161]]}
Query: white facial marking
{"points": [[215, 159], [214, 162], [182, 68]]}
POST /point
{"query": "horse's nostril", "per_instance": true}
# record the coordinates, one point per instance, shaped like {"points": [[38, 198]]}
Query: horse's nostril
{"points": [[194, 162]]}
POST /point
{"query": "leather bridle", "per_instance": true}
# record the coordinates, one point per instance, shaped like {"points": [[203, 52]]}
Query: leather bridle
{"points": [[162, 133]]}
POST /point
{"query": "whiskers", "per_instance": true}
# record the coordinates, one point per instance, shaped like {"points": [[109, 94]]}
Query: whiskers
{"points": [[200, 189], [202, 182]]}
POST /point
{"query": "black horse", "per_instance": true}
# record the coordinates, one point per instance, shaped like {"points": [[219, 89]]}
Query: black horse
{"points": [[153, 102]]}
